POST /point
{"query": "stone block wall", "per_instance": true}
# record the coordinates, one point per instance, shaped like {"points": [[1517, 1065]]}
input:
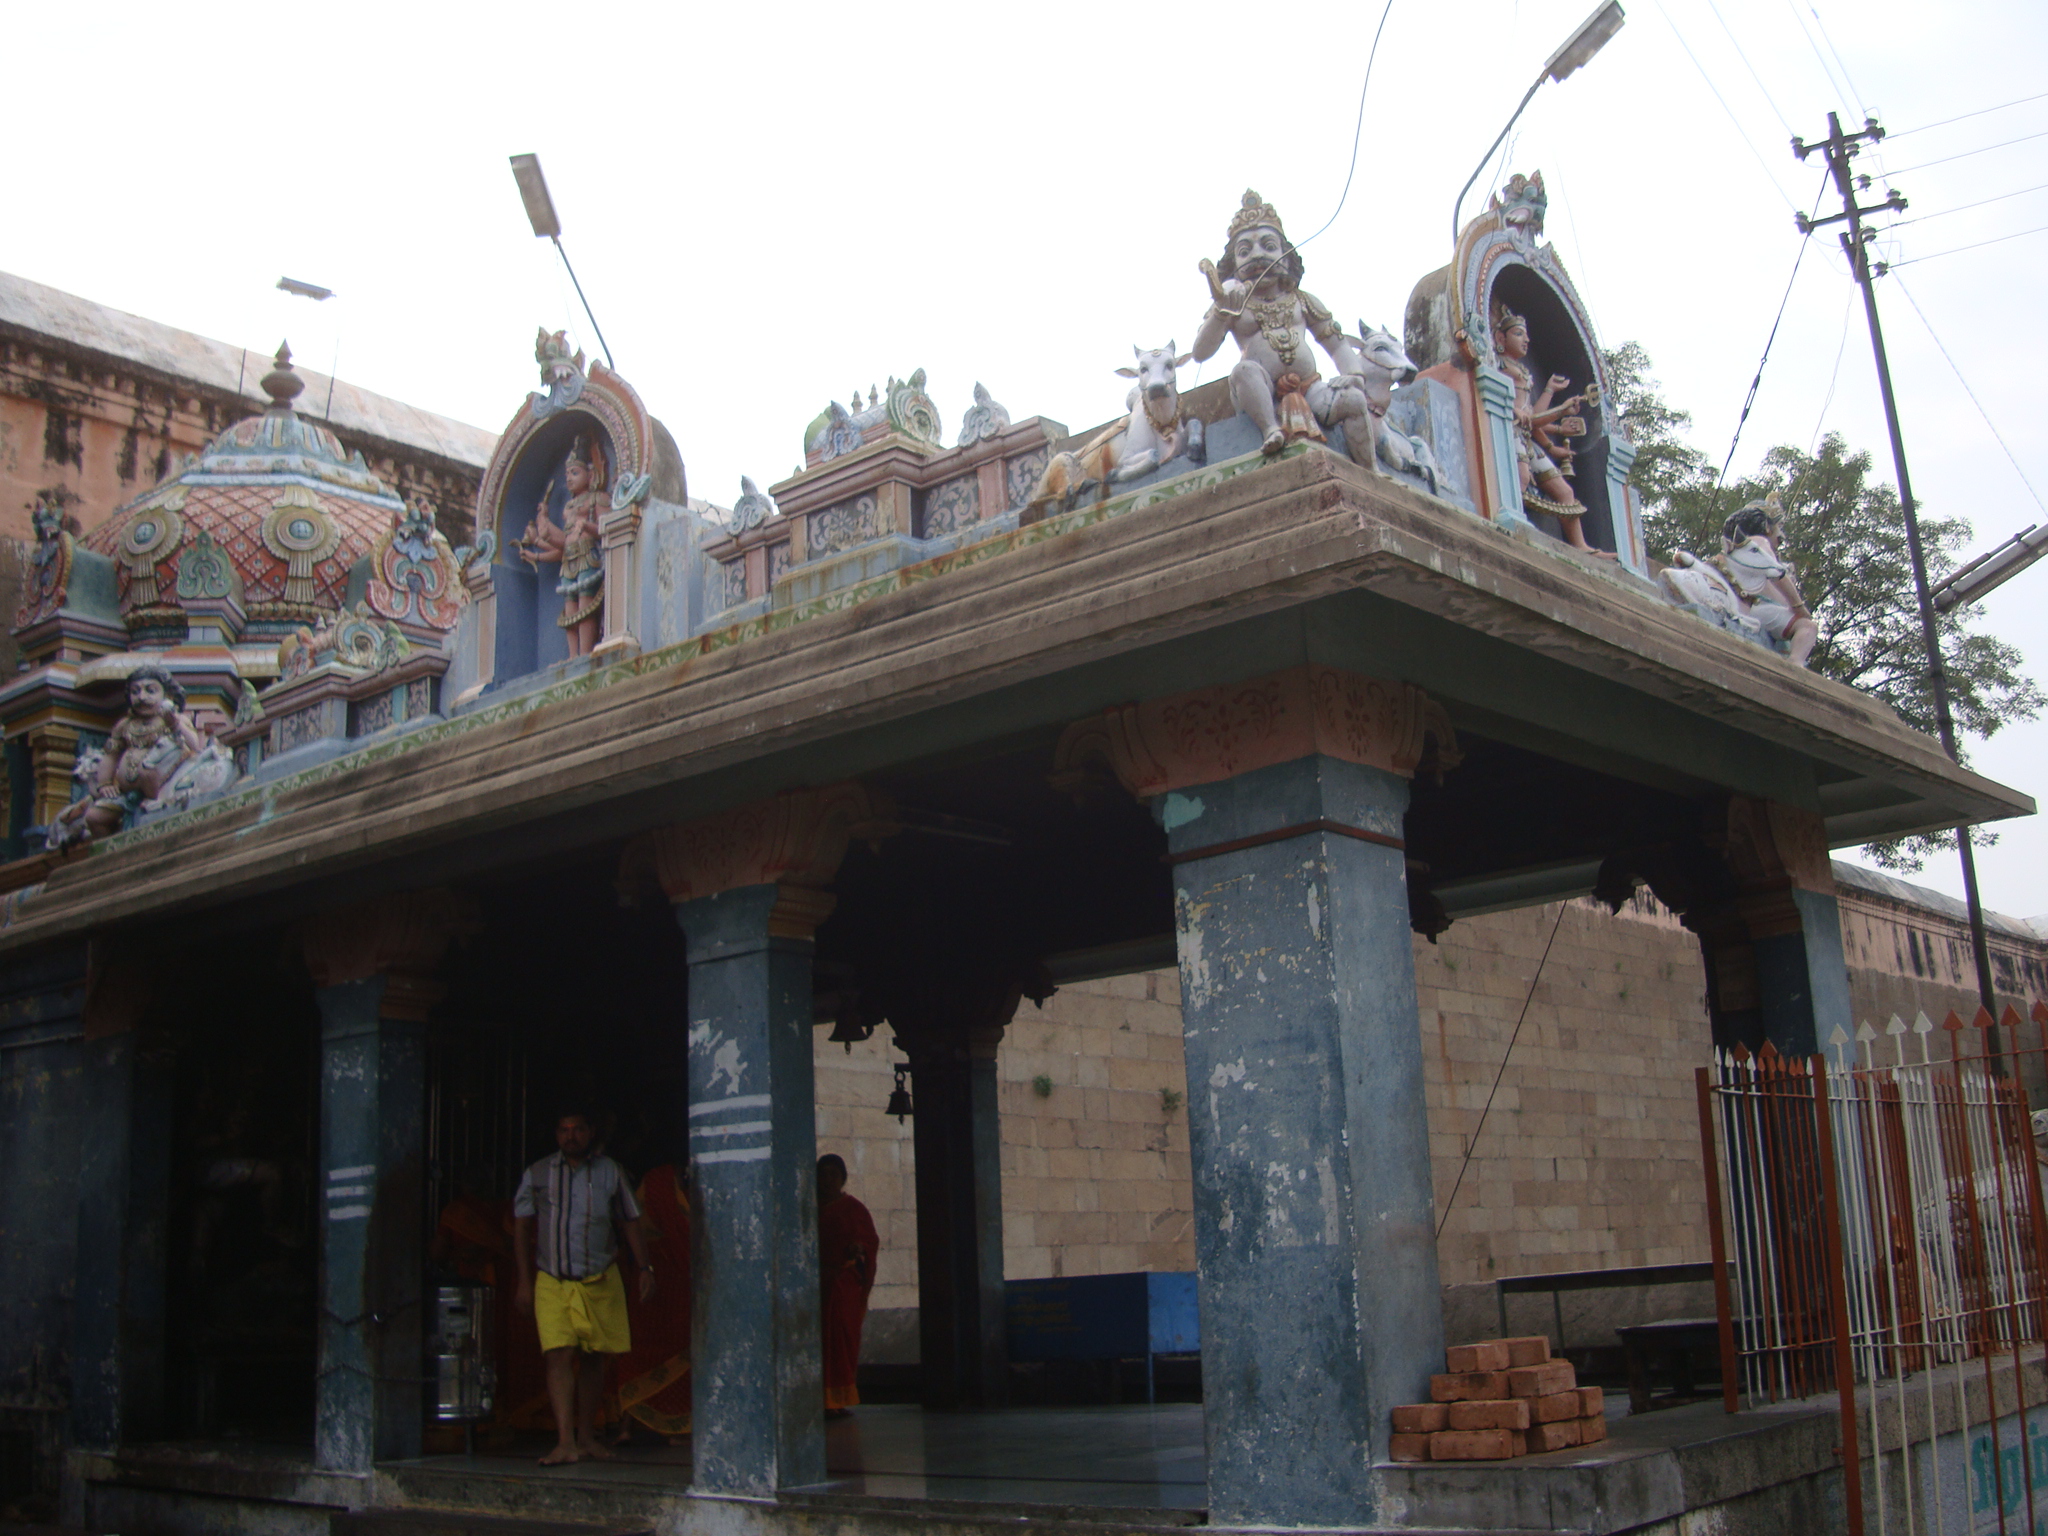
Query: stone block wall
{"points": [[1588, 1159]]}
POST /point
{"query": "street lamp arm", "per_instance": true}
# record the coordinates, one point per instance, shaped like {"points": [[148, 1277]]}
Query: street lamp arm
{"points": [[1459, 207]]}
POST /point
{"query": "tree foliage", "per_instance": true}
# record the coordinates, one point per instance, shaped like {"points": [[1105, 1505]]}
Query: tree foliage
{"points": [[1845, 538]]}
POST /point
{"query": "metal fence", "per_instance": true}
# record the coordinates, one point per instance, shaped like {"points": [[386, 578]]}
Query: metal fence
{"points": [[1876, 1212]]}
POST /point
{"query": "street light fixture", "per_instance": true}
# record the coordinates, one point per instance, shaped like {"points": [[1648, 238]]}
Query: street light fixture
{"points": [[547, 224], [1592, 35]]}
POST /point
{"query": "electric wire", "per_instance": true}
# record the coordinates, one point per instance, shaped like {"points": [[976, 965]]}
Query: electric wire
{"points": [[1741, 132], [1472, 1141], [1358, 129], [1756, 383], [1982, 202], [1965, 116], [1759, 79], [1862, 102], [1841, 87], [1966, 154], [1828, 400], [1989, 424], [1958, 250]]}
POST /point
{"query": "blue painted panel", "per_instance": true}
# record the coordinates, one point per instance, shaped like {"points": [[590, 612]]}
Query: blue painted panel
{"points": [[1102, 1317]]}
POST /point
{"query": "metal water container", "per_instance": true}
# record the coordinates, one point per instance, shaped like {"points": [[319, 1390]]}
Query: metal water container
{"points": [[465, 1353]]}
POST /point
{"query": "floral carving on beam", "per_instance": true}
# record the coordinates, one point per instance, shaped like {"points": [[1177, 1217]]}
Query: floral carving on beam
{"points": [[794, 840], [1217, 733]]}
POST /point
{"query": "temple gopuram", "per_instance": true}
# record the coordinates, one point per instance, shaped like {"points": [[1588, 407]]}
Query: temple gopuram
{"points": [[343, 858]]}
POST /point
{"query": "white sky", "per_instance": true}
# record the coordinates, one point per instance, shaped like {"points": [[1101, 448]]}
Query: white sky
{"points": [[770, 206]]}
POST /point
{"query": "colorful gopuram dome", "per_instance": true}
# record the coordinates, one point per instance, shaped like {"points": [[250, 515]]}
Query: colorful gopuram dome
{"points": [[275, 514]]}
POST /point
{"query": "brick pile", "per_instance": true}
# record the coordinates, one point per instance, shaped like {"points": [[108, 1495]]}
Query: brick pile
{"points": [[1500, 1398]]}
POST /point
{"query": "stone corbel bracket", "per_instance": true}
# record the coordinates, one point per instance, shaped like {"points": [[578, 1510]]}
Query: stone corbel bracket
{"points": [[400, 937], [794, 840], [1210, 734]]}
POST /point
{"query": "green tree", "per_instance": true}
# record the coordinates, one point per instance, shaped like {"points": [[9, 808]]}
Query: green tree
{"points": [[1845, 538]]}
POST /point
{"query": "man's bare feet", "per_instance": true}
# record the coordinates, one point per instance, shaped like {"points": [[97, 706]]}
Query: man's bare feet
{"points": [[596, 1451], [560, 1456]]}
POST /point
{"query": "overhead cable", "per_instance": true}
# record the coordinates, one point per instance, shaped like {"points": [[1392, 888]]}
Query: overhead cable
{"points": [[1759, 79], [1749, 400], [1741, 132], [1358, 129], [1988, 422], [1964, 116], [1974, 245], [1944, 160], [1982, 202]]}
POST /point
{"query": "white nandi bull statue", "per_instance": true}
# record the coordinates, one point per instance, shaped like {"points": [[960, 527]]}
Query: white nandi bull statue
{"points": [[1386, 364], [1151, 435]]}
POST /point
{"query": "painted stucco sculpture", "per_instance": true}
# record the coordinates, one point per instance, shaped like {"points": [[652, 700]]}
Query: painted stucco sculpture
{"points": [[573, 544], [986, 418], [1387, 364], [1750, 588], [414, 576], [1258, 301], [147, 746], [49, 569], [1156, 431], [561, 370], [1544, 426]]}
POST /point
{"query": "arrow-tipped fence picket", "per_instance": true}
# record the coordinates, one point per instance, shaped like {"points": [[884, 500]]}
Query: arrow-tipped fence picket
{"points": [[1876, 1212]]}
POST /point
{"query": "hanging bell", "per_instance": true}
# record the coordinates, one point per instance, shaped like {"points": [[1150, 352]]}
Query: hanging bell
{"points": [[849, 1027], [899, 1101]]}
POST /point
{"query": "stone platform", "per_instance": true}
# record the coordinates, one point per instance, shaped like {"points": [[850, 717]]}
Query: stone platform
{"points": [[1093, 1470]]}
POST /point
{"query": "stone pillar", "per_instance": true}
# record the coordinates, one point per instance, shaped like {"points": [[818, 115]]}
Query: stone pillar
{"points": [[53, 751], [123, 1211], [1282, 801], [1497, 405], [619, 531], [748, 889], [1628, 533], [372, 970], [1773, 942], [957, 1151]]}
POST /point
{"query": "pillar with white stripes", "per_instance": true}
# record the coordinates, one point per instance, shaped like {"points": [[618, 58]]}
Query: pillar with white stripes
{"points": [[748, 887], [758, 1394], [372, 972]]}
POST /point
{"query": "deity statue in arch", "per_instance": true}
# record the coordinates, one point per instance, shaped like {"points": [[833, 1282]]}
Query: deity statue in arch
{"points": [[1544, 427], [574, 544]]}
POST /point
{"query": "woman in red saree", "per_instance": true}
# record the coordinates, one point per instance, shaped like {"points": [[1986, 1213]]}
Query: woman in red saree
{"points": [[654, 1376], [847, 1246]]}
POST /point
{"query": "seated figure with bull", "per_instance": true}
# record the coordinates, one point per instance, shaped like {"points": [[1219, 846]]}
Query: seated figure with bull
{"points": [[1754, 592], [1258, 301], [1154, 433]]}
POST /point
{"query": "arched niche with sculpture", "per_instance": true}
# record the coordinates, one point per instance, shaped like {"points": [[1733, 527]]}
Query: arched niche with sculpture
{"points": [[556, 571], [1538, 449]]}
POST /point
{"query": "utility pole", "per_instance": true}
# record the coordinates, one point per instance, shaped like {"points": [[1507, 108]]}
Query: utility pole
{"points": [[1840, 148]]}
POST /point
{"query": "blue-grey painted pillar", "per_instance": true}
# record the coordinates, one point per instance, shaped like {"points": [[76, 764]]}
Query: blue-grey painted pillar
{"points": [[369, 1401], [757, 1380], [1776, 971], [123, 1195], [957, 1155], [1314, 1216]]}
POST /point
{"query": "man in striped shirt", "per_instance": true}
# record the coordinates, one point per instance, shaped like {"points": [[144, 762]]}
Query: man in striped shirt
{"points": [[570, 1209]]}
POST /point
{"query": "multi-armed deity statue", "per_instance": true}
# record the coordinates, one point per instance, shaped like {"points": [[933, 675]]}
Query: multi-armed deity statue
{"points": [[1544, 426], [574, 544], [1258, 301]]}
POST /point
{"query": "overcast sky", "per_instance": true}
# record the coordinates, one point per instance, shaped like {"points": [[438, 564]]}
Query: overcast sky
{"points": [[770, 206]]}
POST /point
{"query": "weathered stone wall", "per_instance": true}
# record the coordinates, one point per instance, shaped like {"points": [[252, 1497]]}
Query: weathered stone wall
{"points": [[1589, 1157]]}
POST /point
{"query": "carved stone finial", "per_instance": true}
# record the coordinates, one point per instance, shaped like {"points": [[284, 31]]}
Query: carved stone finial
{"points": [[985, 419], [753, 508], [282, 384]]}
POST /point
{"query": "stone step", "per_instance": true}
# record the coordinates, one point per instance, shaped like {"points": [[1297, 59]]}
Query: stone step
{"points": [[457, 1522]]}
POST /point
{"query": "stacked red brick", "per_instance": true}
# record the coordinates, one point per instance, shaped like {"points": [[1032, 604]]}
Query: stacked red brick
{"points": [[1501, 1398]]}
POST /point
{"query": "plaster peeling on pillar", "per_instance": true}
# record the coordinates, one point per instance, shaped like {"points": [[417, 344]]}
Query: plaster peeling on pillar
{"points": [[1194, 961]]}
